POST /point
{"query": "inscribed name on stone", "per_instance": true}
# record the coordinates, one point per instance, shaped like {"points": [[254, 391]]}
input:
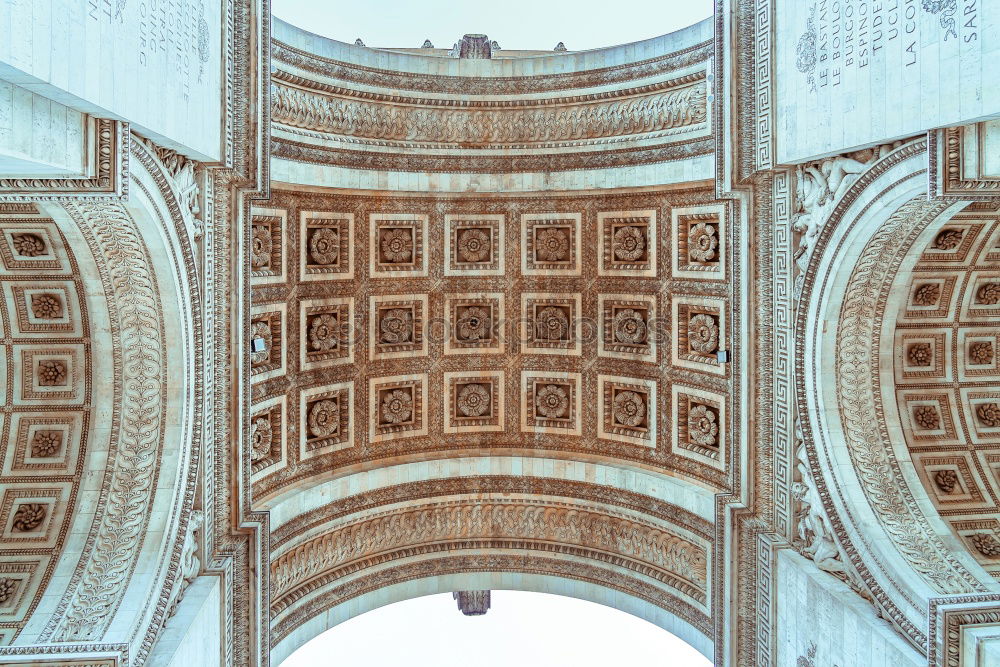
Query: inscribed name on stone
{"points": [[155, 62], [856, 72]]}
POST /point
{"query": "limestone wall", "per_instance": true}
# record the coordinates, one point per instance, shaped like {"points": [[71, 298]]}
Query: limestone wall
{"points": [[155, 64], [39, 136], [823, 623], [858, 72]]}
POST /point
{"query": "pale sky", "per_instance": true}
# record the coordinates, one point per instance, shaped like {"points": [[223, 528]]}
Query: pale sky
{"points": [[520, 630], [515, 24], [523, 629]]}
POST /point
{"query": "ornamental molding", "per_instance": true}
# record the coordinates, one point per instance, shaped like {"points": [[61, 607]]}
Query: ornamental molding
{"points": [[445, 564], [307, 151], [857, 391], [673, 560], [858, 394], [681, 105], [950, 617], [137, 336], [108, 172], [179, 563], [289, 531], [111, 553], [951, 175], [469, 102], [764, 11], [777, 309], [67, 655], [335, 113], [286, 55]]}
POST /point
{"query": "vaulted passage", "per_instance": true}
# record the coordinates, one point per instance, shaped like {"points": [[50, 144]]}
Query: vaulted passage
{"points": [[522, 378], [702, 328]]}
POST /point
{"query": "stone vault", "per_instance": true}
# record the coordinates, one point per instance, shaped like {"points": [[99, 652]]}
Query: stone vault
{"points": [[702, 328]]}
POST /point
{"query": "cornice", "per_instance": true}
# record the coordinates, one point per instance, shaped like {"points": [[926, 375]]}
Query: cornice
{"points": [[291, 80], [308, 153], [285, 54]]}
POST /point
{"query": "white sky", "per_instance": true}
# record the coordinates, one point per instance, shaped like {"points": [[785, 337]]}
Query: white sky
{"points": [[515, 24], [520, 630], [523, 629]]}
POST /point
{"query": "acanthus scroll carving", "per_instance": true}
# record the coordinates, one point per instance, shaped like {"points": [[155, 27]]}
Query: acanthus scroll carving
{"points": [[818, 188], [95, 590], [861, 411], [814, 536], [659, 548], [185, 175], [665, 110]]}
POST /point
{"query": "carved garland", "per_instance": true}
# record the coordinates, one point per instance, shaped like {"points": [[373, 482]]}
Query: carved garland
{"points": [[683, 562], [671, 109], [111, 552], [539, 486], [858, 390]]}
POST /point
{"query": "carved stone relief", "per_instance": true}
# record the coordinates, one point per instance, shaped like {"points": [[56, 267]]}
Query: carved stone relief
{"points": [[48, 407], [947, 381], [471, 316]]}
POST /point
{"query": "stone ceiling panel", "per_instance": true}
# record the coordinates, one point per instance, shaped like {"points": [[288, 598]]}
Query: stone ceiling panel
{"points": [[579, 327]]}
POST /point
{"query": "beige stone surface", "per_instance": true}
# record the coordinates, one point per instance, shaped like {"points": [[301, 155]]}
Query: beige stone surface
{"points": [[292, 329]]}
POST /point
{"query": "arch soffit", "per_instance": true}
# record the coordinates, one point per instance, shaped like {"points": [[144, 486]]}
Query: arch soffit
{"points": [[446, 522], [318, 599], [444, 581], [344, 114], [680, 493], [942, 387], [351, 549], [316, 584], [857, 256], [143, 447]]}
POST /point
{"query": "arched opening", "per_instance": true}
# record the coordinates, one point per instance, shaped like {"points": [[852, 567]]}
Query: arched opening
{"points": [[441, 23], [853, 433], [539, 628], [942, 390], [105, 441], [359, 552], [493, 304]]}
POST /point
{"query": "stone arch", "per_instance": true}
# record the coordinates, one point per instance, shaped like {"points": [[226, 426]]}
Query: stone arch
{"points": [[942, 388], [538, 325], [444, 582], [336, 554], [880, 515], [119, 571]]}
